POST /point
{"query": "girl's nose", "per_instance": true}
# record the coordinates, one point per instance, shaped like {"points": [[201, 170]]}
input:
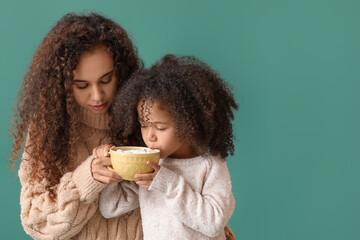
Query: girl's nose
{"points": [[151, 135]]}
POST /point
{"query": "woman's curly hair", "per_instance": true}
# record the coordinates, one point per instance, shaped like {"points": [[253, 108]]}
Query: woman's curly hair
{"points": [[46, 113], [200, 102]]}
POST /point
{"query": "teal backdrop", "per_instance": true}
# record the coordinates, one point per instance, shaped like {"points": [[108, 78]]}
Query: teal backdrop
{"points": [[294, 67]]}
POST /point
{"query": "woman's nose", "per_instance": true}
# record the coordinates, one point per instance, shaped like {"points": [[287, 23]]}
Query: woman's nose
{"points": [[97, 94]]}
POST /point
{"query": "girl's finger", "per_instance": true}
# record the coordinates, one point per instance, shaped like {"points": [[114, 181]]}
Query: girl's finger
{"points": [[145, 176], [144, 184], [155, 166]]}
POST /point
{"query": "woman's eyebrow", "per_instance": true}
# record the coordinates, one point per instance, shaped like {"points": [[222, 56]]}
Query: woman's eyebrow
{"points": [[155, 122], [106, 74]]}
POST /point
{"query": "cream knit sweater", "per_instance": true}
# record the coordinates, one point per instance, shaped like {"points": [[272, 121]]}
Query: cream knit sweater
{"points": [[188, 199], [74, 213]]}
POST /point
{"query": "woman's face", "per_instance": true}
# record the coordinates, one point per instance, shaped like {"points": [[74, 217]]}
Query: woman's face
{"points": [[95, 80]]}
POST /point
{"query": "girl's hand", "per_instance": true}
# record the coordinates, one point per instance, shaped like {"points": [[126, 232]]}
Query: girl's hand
{"points": [[229, 233], [146, 179], [99, 165]]}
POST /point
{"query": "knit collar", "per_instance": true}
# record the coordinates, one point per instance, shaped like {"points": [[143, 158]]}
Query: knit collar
{"points": [[98, 121]]}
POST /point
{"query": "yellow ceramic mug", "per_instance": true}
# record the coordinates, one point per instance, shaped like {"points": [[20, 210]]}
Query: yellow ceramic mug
{"points": [[130, 161]]}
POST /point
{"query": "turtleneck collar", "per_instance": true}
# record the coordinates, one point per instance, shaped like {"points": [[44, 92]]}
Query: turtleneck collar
{"points": [[98, 121]]}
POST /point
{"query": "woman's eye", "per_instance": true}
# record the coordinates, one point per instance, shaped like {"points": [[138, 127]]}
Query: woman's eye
{"points": [[106, 81], [81, 85]]}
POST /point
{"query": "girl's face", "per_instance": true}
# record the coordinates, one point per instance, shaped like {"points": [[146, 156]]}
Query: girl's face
{"points": [[158, 130], [95, 80]]}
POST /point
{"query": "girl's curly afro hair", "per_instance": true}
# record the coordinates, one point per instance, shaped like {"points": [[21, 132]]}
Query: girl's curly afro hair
{"points": [[46, 110], [201, 103]]}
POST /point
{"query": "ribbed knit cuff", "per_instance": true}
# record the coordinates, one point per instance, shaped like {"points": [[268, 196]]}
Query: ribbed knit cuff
{"points": [[163, 179], [89, 188]]}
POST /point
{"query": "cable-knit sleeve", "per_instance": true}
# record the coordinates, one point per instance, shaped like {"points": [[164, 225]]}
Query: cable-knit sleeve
{"points": [[206, 211], [64, 216]]}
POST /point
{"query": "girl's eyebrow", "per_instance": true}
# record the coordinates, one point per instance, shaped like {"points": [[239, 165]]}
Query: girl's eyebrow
{"points": [[106, 74]]}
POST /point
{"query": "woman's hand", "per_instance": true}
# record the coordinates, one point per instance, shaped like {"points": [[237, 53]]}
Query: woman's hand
{"points": [[102, 150], [99, 165], [229, 233], [145, 179]]}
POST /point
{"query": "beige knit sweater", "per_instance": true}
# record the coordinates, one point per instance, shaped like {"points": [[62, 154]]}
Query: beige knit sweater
{"points": [[74, 213]]}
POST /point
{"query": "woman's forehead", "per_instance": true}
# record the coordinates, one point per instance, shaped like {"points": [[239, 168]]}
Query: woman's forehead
{"points": [[93, 65]]}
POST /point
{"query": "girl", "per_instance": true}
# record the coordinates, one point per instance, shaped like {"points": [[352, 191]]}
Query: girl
{"points": [[183, 108], [63, 110]]}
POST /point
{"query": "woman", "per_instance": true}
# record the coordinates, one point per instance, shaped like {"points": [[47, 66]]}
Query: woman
{"points": [[63, 110]]}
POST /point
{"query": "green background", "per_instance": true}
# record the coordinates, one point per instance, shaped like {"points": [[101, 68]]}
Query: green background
{"points": [[294, 66]]}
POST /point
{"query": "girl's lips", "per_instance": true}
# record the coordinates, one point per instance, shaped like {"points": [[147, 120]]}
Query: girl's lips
{"points": [[98, 107]]}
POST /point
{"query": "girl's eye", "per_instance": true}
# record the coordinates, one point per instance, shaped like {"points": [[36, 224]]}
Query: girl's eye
{"points": [[106, 81]]}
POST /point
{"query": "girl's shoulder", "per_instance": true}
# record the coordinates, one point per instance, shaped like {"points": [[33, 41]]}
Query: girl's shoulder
{"points": [[206, 161], [213, 161], [213, 158]]}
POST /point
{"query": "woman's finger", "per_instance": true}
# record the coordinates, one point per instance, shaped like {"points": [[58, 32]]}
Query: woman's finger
{"points": [[104, 171], [101, 173], [107, 180], [107, 176], [102, 150], [101, 162]]}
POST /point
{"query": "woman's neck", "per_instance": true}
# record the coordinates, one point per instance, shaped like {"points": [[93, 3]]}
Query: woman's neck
{"points": [[94, 120]]}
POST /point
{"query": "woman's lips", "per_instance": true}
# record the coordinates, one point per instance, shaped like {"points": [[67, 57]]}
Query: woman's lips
{"points": [[98, 107]]}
